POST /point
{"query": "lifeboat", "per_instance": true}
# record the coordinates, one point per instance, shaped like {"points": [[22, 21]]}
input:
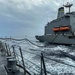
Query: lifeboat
{"points": [[56, 29], [64, 28]]}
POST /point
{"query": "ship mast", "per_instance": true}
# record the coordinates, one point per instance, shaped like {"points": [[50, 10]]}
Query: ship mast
{"points": [[68, 5]]}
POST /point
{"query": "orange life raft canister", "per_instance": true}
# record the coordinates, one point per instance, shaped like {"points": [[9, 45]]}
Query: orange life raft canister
{"points": [[63, 28]]}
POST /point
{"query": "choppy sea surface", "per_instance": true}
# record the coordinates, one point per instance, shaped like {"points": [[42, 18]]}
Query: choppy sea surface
{"points": [[59, 59]]}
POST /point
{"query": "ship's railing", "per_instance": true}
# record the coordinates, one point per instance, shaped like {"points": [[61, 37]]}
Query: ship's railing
{"points": [[30, 67], [33, 70]]}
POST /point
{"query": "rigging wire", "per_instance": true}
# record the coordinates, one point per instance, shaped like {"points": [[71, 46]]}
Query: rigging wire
{"points": [[17, 55], [35, 65], [56, 60]]}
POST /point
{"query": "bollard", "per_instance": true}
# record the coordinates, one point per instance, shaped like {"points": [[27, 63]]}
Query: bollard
{"points": [[11, 64]]}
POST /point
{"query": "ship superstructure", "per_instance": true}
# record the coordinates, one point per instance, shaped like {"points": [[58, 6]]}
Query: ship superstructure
{"points": [[60, 30]]}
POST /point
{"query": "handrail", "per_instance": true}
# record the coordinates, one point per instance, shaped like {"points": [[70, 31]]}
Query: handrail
{"points": [[49, 58]]}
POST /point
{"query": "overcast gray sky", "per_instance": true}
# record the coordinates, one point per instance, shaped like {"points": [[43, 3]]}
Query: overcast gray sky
{"points": [[27, 17]]}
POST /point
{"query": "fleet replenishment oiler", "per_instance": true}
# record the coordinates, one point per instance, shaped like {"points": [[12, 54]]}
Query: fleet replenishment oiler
{"points": [[60, 30]]}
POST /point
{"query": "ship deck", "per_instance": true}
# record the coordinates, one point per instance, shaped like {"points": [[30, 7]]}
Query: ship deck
{"points": [[2, 63]]}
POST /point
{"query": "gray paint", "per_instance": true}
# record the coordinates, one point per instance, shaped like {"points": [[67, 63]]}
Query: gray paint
{"points": [[60, 12], [63, 21], [72, 21], [50, 36], [57, 39]]}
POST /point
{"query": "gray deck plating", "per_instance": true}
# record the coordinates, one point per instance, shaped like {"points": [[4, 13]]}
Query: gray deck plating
{"points": [[2, 63]]}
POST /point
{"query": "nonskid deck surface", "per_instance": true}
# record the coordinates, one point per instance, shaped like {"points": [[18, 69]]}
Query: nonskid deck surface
{"points": [[2, 63]]}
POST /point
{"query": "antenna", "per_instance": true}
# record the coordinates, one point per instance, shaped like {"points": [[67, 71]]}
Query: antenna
{"points": [[68, 5]]}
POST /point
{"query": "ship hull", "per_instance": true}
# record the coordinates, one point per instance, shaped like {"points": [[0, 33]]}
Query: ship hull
{"points": [[56, 39]]}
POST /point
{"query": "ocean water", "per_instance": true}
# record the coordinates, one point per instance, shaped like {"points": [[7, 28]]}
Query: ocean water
{"points": [[59, 59]]}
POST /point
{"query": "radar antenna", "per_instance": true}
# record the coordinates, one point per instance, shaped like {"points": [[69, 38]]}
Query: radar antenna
{"points": [[68, 5]]}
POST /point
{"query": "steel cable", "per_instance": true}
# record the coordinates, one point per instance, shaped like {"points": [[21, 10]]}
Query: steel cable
{"points": [[56, 60]]}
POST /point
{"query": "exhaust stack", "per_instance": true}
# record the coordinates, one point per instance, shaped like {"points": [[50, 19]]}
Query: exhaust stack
{"points": [[60, 12]]}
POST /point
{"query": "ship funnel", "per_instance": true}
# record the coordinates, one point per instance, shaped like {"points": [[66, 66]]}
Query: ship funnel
{"points": [[60, 12]]}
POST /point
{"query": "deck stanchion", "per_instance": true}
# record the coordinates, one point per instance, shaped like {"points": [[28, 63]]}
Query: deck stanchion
{"points": [[9, 52], [14, 50], [22, 60], [43, 65], [6, 49]]}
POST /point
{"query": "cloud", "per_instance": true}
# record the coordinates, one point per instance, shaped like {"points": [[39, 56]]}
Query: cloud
{"points": [[27, 17]]}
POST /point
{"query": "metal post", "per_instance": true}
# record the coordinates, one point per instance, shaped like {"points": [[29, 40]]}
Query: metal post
{"points": [[43, 63], [6, 49], [22, 60], [14, 51], [9, 50]]}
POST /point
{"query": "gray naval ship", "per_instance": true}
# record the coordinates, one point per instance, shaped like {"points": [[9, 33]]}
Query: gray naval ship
{"points": [[60, 30]]}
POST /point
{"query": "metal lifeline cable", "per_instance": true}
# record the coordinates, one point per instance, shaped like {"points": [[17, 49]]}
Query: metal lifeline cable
{"points": [[31, 63], [59, 61], [26, 67], [66, 55], [30, 70], [35, 65], [56, 60], [51, 59], [38, 66]]}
